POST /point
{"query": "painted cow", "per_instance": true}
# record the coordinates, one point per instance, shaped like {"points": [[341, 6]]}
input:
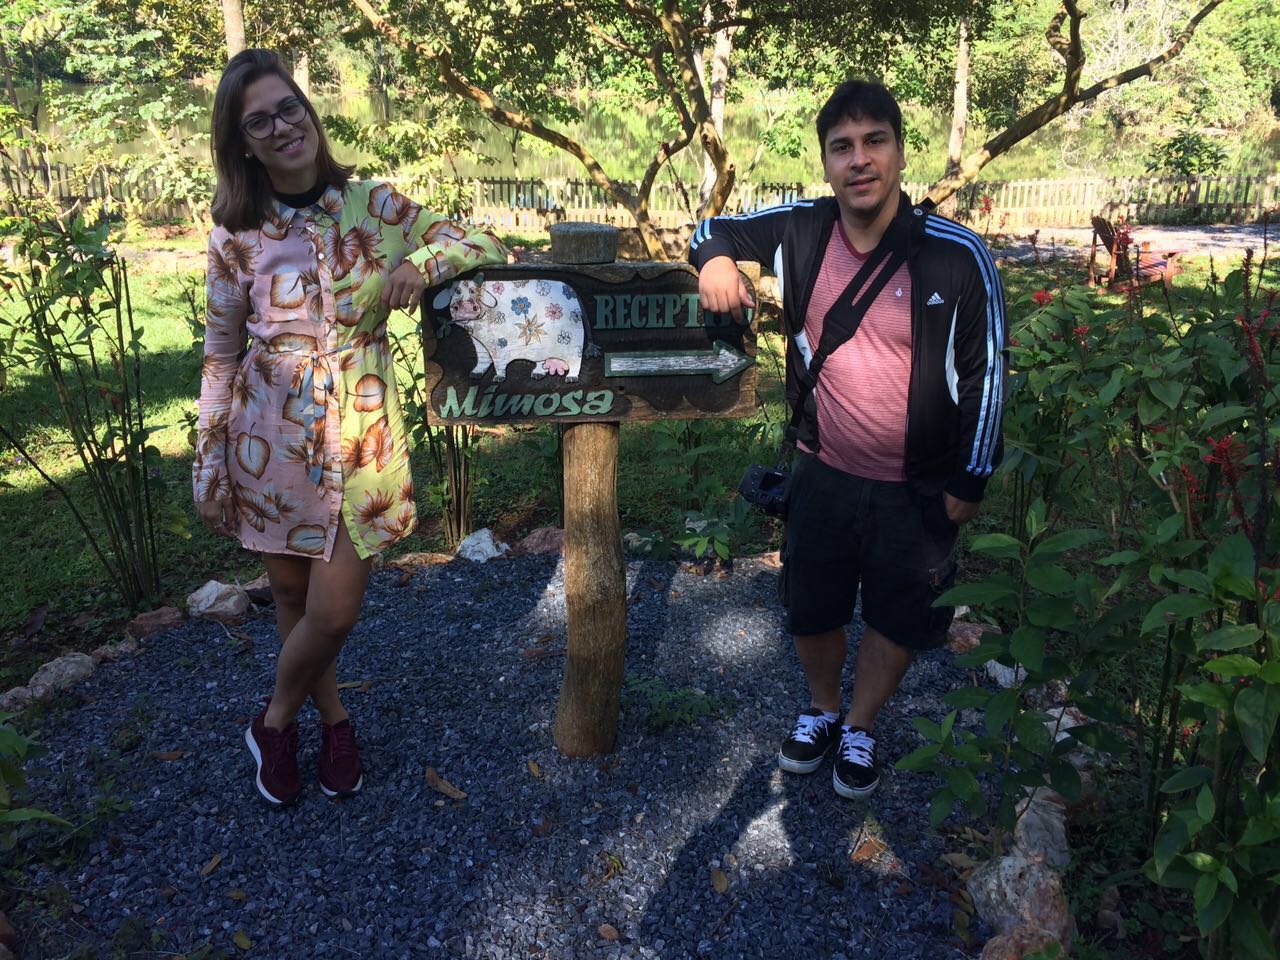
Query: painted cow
{"points": [[536, 320]]}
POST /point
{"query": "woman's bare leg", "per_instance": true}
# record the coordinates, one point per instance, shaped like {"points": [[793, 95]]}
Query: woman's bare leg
{"points": [[334, 594]]}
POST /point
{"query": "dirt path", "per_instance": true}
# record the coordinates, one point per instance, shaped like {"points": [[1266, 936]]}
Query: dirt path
{"points": [[1192, 241]]}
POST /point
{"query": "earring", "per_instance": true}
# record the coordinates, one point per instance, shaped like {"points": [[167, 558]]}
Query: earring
{"points": [[248, 156]]}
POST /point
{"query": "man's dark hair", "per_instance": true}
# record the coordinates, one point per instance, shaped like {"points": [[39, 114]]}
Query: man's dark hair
{"points": [[859, 100]]}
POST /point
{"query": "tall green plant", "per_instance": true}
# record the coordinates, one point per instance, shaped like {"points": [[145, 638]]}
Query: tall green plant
{"points": [[1154, 434], [69, 317]]}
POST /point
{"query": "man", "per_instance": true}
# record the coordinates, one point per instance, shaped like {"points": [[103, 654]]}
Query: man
{"points": [[901, 430]]}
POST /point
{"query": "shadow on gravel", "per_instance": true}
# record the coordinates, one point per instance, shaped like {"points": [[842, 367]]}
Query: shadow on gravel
{"points": [[457, 668]]}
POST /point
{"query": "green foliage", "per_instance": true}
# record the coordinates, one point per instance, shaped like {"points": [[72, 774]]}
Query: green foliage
{"points": [[70, 316], [664, 706], [419, 152], [1164, 426], [15, 751], [1188, 153]]}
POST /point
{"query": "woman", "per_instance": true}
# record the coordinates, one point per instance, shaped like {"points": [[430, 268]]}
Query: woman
{"points": [[302, 451]]}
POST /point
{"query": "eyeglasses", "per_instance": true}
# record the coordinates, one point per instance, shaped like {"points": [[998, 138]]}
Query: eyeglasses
{"points": [[262, 125]]}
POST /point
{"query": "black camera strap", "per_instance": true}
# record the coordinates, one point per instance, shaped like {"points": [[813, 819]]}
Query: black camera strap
{"points": [[839, 326]]}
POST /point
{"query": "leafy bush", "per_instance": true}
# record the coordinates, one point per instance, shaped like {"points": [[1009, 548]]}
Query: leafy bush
{"points": [[1188, 153], [1143, 471], [69, 315]]}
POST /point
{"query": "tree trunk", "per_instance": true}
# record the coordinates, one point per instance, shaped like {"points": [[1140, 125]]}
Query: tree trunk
{"points": [[1055, 106], [383, 77], [959, 111], [302, 72], [719, 80], [595, 593], [233, 20]]}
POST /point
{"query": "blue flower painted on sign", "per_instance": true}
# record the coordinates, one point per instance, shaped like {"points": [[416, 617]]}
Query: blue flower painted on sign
{"points": [[543, 288], [502, 343], [520, 306], [499, 317], [564, 337]]}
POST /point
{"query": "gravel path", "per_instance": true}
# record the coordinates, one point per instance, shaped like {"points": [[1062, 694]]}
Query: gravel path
{"points": [[465, 664]]}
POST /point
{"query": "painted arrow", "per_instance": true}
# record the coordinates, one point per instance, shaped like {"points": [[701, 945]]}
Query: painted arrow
{"points": [[722, 363]]}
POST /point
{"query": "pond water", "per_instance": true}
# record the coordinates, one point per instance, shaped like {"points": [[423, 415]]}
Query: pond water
{"points": [[625, 140]]}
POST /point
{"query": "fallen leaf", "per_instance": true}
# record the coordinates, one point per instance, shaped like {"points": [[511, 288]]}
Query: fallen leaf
{"points": [[211, 865], [535, 769], [868, 850], [441, 785], [534, 653], [903, 889], [242, 940], [364, 686], [239, 635], [607, 931], [168, 892], [719, 880], [959, 861], [676, 594], [167, 755], [1112, 922], [406, 578], [633, 788], [961, 901], [540, 826], [238, 895]]}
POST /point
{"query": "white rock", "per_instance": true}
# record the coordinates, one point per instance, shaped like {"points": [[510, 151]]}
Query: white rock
{"points": [[1005, 676], [481, 547], [16, 699], [218, 601], [60, 674], [1013, 891], [1041, 834]]}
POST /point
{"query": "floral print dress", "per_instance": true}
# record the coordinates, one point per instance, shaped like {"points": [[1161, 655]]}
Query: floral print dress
{"points": [[304, 429]]}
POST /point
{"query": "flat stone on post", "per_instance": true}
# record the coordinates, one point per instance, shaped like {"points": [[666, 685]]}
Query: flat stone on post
{"points": [[578, 242]]}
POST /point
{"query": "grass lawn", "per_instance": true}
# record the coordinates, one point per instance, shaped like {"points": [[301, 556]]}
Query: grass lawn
{"points": [[62, 587]]}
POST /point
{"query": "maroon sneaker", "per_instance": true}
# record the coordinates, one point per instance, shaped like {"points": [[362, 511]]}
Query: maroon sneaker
{"points": [[341, 772], [276, 754]]}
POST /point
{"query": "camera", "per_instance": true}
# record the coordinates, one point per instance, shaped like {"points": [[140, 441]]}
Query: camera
{"points": [[766, 489]]}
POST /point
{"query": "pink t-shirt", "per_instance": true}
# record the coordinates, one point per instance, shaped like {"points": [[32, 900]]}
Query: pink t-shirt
{"points": [[862, 391]]}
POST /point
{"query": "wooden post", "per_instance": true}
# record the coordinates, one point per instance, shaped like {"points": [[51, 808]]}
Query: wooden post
{"points": [[594, 577]]}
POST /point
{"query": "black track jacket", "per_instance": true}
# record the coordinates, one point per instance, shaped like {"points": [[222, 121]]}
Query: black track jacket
{"points": [[955, 400]]}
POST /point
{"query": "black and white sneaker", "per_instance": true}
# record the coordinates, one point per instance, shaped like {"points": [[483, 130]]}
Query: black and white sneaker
{"points": [[802, 752], [855, 775]]}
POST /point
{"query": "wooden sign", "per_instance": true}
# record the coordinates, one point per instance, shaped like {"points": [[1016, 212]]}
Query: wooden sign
{"points": [[548, 343]]}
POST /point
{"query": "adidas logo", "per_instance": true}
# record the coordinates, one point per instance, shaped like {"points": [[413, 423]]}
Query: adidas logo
{"points": [[935, 301]]}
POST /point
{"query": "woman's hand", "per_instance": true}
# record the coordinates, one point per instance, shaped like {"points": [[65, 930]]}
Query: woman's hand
{"points": [[403, 289], [218, 515]]}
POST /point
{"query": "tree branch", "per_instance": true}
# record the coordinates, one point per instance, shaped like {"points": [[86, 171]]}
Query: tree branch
{"points": [[459, 85], [1070, 96]]}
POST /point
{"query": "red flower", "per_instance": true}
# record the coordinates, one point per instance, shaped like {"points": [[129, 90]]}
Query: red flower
{"points": [[1124, 237], [1042, 298], [1081, 330]]}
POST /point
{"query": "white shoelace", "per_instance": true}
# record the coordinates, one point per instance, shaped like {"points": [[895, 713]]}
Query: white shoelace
{"points": [[808, 728], [858, 748]]}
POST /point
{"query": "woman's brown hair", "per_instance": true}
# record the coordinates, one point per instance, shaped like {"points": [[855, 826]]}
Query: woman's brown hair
{"points": [[242, 198]]}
